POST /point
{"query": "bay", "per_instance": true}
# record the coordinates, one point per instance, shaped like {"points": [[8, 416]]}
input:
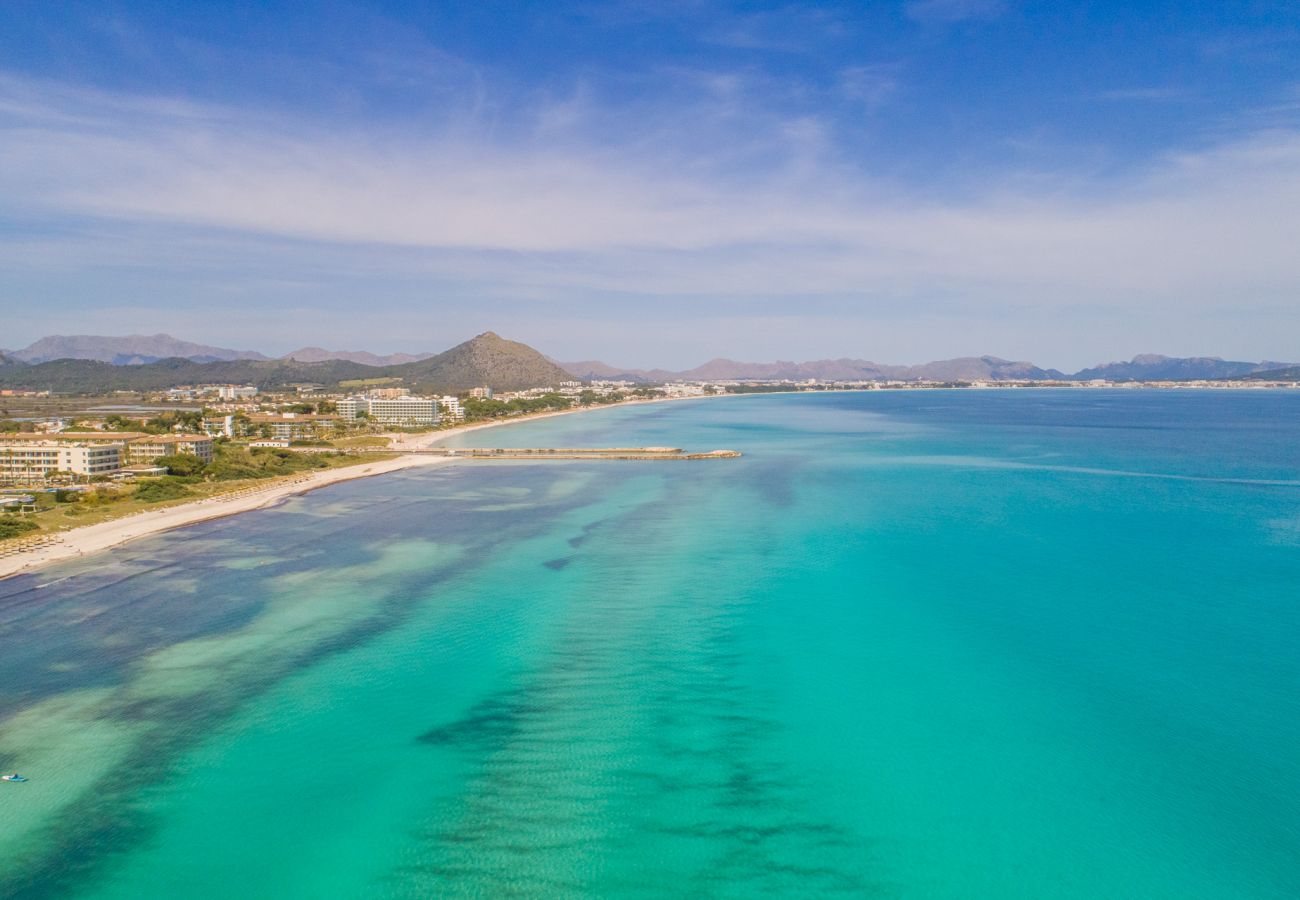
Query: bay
{"points": [[1006, 643]]}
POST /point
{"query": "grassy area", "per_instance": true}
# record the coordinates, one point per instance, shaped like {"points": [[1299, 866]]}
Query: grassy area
{"points": [[360, 440], [368, 382]]}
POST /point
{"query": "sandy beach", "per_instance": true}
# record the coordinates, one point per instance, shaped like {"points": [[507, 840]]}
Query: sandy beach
{"points": [[102, 536]]}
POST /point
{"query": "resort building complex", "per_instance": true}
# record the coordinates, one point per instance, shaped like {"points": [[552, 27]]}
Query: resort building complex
{"points": [[405, 410], [36, 457]]}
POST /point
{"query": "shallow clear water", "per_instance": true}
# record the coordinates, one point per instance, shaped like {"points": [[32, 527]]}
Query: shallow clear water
{"points": [[916, 644]]}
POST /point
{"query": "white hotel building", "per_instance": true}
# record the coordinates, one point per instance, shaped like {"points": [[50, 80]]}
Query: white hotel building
{"points": [[391, 410], [27, 461], [26, 458]]}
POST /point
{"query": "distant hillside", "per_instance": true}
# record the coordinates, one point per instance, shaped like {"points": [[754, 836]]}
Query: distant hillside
{"points": [[135, 349], [979, 368], [1149, 367], [86, 376], [487, 359], [365, 358], [595, 370], [1287, 373], [1153, 367], [484, 360]]}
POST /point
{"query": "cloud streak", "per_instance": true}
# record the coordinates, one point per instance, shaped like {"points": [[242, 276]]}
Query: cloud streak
{"points": [[932, 12], [567, 211]]}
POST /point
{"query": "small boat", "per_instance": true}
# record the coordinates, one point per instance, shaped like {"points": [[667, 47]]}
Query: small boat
{"points": [[14, 777]]}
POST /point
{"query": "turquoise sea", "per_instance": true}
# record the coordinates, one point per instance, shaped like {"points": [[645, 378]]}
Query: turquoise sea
{"points": [[923, 644]]}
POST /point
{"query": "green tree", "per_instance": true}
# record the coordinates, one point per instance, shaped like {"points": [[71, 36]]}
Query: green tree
{"points": [[117, 422], [181, 464]]}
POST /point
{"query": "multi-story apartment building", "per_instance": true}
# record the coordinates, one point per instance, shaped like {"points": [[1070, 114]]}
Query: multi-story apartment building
{"points": [[34, 457], [293, 426], [351, 407], [219, 426], [23, 459], [391, 411], [451, 406], [148, 448]]}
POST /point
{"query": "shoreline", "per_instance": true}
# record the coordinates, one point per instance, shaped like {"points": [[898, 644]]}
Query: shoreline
{"points": [[91, 539]]}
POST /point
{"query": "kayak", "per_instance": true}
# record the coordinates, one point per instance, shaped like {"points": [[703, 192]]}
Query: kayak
{"points": [[14, 777]]}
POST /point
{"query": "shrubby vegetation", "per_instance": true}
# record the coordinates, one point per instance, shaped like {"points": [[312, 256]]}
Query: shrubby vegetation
{"points": [[232, 462], [495, 409], [182, 464], [163, 423], [156, 490], [102, 496], [13, 526]]}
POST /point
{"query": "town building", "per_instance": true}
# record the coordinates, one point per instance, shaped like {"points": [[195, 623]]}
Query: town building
{"points": [[148, 448], [34, 457], [219, 426], [481, 393], [26, 460], [451, 406], [405, 410], [292, 426], [235, 391]]}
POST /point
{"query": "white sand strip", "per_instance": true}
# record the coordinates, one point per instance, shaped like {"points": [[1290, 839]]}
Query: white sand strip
{"points": [[89, 539], [103, 535]]}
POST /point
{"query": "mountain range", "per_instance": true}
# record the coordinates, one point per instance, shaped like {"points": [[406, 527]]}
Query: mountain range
{"points": [[1148, 367], [487, 359], [133, 349], [319, 354], [1151, 367], [142, 349], [86, 363]]}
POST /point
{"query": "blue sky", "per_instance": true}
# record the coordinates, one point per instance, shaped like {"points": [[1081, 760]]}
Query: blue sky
{"points": [[658, 183]]}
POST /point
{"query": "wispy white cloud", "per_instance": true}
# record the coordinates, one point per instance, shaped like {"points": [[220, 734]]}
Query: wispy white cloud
{"points": [[789, 29], [1143, 94], [568, 214], [869, 86], [948, 11]]}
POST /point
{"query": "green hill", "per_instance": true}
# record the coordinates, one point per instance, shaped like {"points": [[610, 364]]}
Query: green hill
{"points": [[487, 359], [484, 360], [85, 376], [1290, 373]]}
